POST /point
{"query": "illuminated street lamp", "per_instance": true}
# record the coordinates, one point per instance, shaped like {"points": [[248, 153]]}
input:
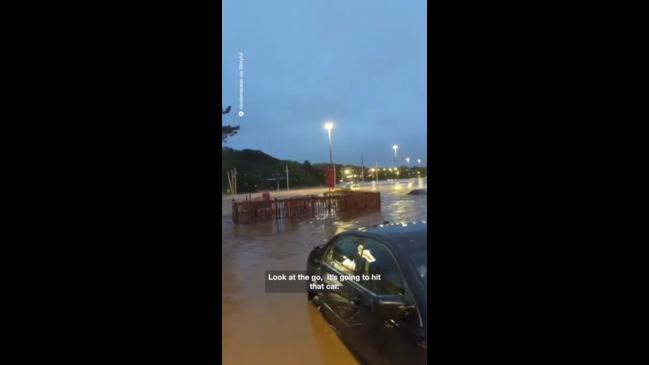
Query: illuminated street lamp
{"points": [[329, 126], [396, 159]]}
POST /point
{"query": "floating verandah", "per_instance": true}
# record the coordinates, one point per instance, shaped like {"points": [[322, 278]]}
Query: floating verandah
{"points": [[265, 209]]}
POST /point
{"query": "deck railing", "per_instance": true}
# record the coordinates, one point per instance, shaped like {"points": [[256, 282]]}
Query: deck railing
{"points": [[249, 211]]}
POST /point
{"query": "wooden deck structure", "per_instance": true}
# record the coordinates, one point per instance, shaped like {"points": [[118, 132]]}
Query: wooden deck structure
{"points": [[249, 211]]}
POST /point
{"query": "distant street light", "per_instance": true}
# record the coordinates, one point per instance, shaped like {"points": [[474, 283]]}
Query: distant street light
{"points": [[329, 126], [408, 161]]}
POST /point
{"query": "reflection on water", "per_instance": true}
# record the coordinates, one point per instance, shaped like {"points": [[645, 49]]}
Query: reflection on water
{"points": [[282, 328]]}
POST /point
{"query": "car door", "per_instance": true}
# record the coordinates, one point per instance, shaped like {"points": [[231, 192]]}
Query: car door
{"points": [[362, 303], [396, 338], [339, 260]]}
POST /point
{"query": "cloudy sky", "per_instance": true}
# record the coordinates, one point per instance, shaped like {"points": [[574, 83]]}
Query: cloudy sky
{"points": [[359, 63]]}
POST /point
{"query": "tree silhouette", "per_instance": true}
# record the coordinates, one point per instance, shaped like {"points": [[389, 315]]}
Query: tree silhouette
{"points": [[227, 130]]}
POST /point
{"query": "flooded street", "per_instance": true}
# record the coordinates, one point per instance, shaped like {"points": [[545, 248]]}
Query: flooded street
{"points": [[283, 328]]}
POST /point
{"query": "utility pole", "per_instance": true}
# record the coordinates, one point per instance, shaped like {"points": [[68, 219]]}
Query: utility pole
{"points": [[287, 186], [236, 188], [376, 172], [362, 169]]}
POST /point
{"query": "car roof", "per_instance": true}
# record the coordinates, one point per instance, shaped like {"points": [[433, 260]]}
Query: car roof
{"points": [[398, 234]]}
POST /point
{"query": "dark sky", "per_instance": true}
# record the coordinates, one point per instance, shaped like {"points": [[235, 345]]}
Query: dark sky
{"points": [[360, 63]]}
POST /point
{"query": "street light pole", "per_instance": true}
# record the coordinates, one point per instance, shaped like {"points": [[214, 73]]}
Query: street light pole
{"points": [[329, 126], [408, 161], [396, 160]]}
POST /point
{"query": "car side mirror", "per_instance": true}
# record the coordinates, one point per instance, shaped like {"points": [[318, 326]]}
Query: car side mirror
{"points": [[392, 307]]}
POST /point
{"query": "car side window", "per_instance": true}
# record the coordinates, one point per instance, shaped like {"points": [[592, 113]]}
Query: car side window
{"points": [[342, 254], [376, 259]]}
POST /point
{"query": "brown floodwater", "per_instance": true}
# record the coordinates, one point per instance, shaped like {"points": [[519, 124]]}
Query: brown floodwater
{"points": [[283, 328]]}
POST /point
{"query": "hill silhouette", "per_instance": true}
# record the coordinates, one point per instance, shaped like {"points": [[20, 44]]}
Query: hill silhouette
{"points": [[256, 168], [258, 171]]}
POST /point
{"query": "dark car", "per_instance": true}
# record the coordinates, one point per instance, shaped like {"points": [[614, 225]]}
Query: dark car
{"points": [[383, 321]]}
